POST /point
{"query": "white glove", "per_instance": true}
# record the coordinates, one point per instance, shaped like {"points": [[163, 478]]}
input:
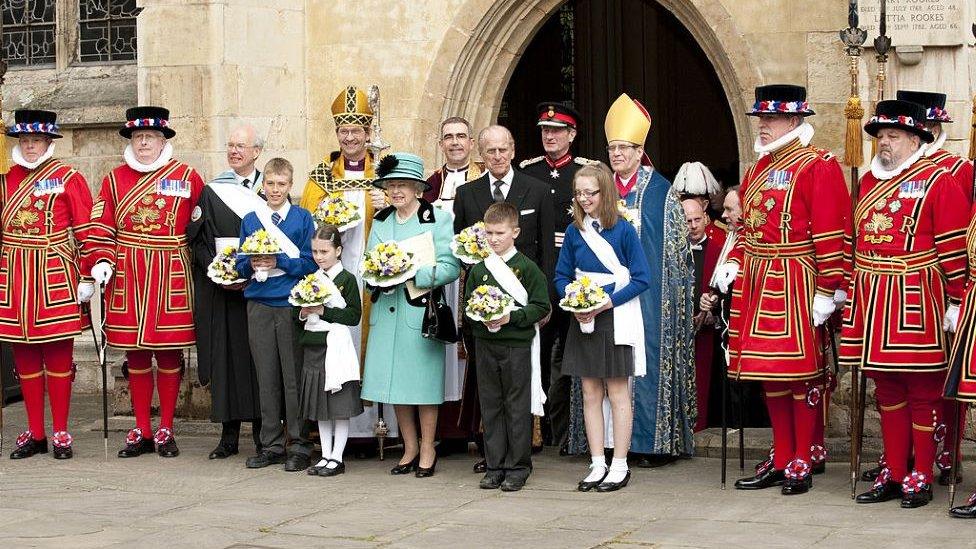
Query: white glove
{"points": [[85, 292], [378, 198], [951, 320], [101, 272], [840, 299], [823, 307], [725, 275]]}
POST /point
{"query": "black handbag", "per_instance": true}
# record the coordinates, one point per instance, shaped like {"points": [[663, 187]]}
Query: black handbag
{"points": [[439, 321]]}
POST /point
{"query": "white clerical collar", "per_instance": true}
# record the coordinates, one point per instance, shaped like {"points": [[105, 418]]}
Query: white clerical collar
{"points": [[698, 245], [934, 147], [509, 254], [334, 270], [463, 169], [283, 210], [164, 157], [803, 132], [250, 178], [881, 174], [18, 157]]}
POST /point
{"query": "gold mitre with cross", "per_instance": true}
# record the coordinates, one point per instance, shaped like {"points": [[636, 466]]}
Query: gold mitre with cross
{"points": [[627, 120], [351, 107]]}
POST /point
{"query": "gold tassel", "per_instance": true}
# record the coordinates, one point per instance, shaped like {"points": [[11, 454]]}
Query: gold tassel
{"points": [[854, 148], [972, 132]]}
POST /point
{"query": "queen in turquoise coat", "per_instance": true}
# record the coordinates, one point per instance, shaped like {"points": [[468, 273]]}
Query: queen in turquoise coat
{"points": [[402, 367]]}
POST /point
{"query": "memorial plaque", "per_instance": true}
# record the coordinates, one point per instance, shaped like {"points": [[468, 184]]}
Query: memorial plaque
{"points": [[919, 22]]}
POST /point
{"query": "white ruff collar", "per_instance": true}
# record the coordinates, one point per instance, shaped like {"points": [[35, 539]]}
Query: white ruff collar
{"points": [[18, 157], [804, 132], [164, 157], [933, 147], [881, 174]]}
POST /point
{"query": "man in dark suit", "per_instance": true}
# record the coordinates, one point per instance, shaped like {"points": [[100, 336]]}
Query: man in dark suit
{"points": [[532, 198]]}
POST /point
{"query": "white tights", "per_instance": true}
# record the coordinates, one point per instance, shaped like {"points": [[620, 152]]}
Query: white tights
{"points": [[333, 435]]}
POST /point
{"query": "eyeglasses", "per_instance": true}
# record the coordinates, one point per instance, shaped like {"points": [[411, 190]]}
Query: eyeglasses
{"points": [[612, 149], [351, 132], [454, 137], [586, 194], [238, 147]]}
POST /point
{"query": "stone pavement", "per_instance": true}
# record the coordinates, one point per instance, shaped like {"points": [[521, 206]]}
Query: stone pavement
{"points": [[190, 501]]}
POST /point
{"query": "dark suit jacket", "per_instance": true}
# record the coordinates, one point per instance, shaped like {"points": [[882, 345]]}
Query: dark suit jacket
{"points": [[532, 198]]}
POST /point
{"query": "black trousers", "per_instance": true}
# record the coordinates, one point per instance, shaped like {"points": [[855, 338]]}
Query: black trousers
{"points": [[504, 387]]}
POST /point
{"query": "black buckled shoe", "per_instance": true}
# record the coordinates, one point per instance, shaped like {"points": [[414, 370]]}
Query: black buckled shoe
{"points": [[795, 486], [223, 451], [607, 486], [916, 490], [61, 445], [766, 479], [165, 443], [136, 445], [27, 446], [912, 500], [967, 511], [339, 469]]}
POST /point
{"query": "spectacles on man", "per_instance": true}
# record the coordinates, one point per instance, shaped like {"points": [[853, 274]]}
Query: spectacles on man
{"points": [[454, 137], [586, 194], [238, 147], [613, 149]]}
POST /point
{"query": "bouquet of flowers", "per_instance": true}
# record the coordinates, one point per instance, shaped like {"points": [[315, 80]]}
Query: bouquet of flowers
{"points": [[387, 265], [223, 269], [260, 243], [471, 244], [630, 215], [335, 210], [489, 303], [583, 296], [311, 291]]}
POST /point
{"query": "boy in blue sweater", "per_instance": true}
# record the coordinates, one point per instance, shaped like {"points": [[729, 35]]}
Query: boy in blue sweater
{"points": [[269, 316]]}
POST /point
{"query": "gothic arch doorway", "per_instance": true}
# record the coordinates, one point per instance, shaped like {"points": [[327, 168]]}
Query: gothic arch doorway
{"points": [[589, 51]]}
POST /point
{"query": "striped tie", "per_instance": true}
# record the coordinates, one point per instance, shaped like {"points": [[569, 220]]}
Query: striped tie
{"points": [[275, 218]]}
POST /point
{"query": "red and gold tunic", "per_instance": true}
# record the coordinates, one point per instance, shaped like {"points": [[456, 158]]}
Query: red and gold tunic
{"points": [[139, 226], [45, 222], [960, 168], [909, 257], [961, 382], [795, 210]]}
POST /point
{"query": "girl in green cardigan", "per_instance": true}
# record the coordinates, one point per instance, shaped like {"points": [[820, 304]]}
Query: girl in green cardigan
{"points": [[330, 384]]}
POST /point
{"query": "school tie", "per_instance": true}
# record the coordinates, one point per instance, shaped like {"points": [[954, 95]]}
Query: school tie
{"points": [[246, 183], [275, 218], [497, 193], [596, 225]]}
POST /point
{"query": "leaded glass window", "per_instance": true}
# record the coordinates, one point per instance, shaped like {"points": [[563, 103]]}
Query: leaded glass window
{"points": [[28, 32], [107, 30]]}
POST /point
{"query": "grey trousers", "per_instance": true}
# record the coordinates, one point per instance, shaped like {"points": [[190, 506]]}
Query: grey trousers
{"points": [[274, 348], [504, 389]]}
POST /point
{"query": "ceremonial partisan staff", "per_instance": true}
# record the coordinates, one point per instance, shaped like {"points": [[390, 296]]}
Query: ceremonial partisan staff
{"points": [[100, 347], [4, 168], [853, 37], [376, 147], [722, 257]]}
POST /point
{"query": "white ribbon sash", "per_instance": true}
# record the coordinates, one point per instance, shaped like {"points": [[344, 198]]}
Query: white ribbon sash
{"points": [[240, 200], [513, 287], [287, 246], [628, 322], [341, 358]]}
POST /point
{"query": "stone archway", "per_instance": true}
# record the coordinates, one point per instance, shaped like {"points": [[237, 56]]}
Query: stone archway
{"points": [[476, 59]]}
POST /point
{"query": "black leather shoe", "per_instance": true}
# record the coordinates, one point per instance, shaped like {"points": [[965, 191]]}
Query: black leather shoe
{"points": [[512, 484], [766, 479], [967, 511], [136, 445], [223, 451], [651, 461], [61, 445], [313, 471], [168, 449], [585, 486], [480, 467], [27, 447], [871, 474], [491, 481], [911, 500], [63, 452], [945, 477], [264, 459], [333, 471], [406, 468], [792, 487], [295, 463], [424, 472], [613, 486], [820, 468], [878, 494]]}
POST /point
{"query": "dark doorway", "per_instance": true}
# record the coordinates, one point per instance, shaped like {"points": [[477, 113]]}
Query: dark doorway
{"points": [[590, 51]]}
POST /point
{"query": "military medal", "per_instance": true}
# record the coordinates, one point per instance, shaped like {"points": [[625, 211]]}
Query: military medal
{"points": [[554, 174], [173, 187], [48, 186]]}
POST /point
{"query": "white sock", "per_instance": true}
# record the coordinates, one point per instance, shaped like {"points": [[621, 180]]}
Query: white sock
{"points": [[341, 436], [598, 468], [325, 437], [322, 463], [618, 470]]}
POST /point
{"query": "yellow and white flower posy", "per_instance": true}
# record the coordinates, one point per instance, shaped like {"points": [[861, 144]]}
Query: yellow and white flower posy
{"points": [[335, 210], [583, 296], [260, 242], [471, 244], [223, 269], [387, 265]]}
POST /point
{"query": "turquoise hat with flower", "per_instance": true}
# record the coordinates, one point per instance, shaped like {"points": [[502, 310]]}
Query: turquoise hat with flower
{"points": [[401, 166]]}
